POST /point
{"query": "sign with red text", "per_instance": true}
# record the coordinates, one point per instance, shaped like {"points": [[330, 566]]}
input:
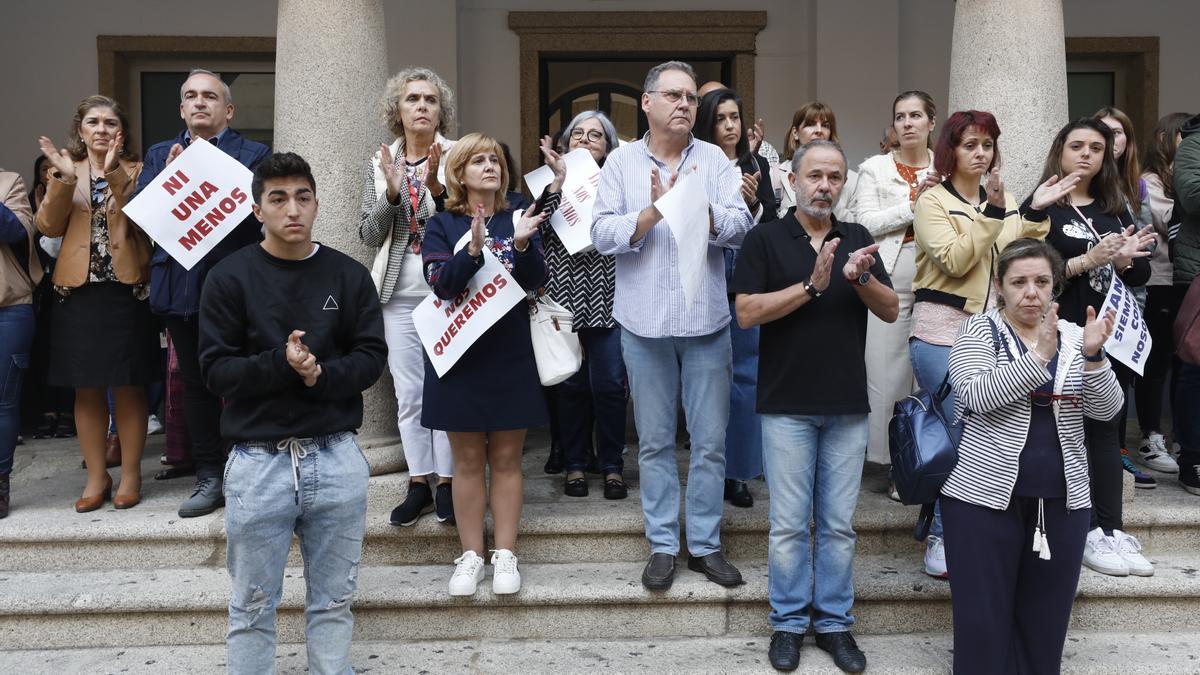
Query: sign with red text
{"points": [[1130, 341], [448, 328], [572, 222], [196, 201]]}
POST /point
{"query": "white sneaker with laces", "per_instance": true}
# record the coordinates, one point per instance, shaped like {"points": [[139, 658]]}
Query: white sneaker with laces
{"points": [[1153, 454], [1100, 553], [153, 426], [468, 572], [1130, 550], [935, 557], [506, 579]]}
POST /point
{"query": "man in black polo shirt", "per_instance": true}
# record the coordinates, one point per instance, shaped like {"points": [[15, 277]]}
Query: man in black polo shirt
{"points": [[809, 280]]}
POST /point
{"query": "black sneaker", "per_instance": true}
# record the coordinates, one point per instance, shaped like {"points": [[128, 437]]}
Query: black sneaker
{"points": [[576, 487], [45, 428], [418, 502], [443, 500], [784, 652], [1189, 477], [844, 650]]}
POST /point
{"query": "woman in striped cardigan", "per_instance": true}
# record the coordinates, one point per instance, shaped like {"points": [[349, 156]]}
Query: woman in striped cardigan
{"points": [[1024, 381]]}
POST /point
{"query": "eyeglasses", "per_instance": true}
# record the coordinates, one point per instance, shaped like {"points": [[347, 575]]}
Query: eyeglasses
{"points": [[592, 135], [1044, 400], [674, 95]]}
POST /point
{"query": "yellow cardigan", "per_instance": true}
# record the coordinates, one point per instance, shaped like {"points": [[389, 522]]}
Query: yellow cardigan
{"points": [[957, 246]]}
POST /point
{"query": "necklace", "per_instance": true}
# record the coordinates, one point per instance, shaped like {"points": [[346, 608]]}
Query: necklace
{"points": [[487, 238], [1018, 332]]}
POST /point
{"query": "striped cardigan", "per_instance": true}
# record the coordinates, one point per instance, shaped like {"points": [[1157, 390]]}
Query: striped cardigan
{"points": [[384, 225], [996, 392]]}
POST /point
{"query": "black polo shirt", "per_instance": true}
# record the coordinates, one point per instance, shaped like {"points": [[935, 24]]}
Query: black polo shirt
{"points": [[810, 362]]}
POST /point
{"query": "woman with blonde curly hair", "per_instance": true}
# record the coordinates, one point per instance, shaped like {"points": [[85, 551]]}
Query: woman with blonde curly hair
{"points": [[402, 189]]}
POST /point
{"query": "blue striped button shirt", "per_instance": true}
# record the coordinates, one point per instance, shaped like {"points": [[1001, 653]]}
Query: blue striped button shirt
{"points": [[649, 298]]}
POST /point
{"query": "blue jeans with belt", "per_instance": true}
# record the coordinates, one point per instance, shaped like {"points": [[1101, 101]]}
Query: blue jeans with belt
{"points": [[16, 341], [316, 488]]}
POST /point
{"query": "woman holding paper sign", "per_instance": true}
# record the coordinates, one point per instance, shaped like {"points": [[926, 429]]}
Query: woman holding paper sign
{"points": [[719, 121], [1094, 232], [402, 189], [104, 334], [492, 395], [592, 402]]}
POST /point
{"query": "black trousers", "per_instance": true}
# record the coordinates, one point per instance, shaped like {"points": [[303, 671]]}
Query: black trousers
{"points": [[1162, 304], [201, 408], [1011, 609], [1104, 443]]}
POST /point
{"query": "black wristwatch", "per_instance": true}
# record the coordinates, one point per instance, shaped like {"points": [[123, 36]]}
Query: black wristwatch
{"points": [[864, 278], [1095, 359], [811, 290]]}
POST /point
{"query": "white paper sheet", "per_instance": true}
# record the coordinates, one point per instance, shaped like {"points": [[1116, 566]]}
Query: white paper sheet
{"points": [[685, 208], [1130, 342], [573, 220]]}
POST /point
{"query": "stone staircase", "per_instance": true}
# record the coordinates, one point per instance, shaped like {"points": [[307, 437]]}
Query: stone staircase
{"points": [[145, 591]]}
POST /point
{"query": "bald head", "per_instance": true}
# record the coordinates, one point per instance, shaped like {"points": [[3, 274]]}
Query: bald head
{"points": [[710, 87]]}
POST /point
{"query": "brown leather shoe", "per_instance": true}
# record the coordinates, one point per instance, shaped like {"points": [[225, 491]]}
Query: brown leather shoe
{"points": [[127, 501], [85, 504]]}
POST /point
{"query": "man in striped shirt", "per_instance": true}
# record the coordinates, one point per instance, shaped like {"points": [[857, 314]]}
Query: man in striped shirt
{"points": [[671, 344]]}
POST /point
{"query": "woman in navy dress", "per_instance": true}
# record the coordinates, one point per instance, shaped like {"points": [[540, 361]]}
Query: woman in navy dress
{"points": [[492, 395]]}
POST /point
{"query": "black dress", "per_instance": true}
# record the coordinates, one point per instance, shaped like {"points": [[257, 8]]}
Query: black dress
{"points": [[495, 385]]}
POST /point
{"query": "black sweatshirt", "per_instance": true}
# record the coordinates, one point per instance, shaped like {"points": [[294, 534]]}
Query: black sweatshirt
{"points": [[251, 302]]}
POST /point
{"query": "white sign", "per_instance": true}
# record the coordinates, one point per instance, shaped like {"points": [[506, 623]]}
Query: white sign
{"points": [[685, 208], [194, 203], [448, 328], [573, 219], [1130, 342]]}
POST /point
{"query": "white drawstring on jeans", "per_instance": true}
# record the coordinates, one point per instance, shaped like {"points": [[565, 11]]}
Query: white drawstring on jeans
{"points": [[296, 449], [1041, 543]]}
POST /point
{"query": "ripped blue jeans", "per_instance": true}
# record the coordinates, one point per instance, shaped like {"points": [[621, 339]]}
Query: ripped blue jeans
{"points": [[316, 488]]}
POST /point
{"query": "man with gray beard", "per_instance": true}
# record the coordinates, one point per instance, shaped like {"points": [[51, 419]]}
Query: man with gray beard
{"points": [[808, 281]]}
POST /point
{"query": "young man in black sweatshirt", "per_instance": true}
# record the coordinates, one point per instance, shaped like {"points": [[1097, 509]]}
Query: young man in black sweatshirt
{"points": [[290, 335]]}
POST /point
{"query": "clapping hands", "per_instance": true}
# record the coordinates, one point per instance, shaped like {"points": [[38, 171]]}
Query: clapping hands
{"points": [[301, 359]]}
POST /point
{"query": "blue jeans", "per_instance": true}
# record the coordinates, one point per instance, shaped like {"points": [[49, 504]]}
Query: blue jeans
{"points": [[930, 363], [261, 513], [743, 435], [593, 399], [659, 368], [814, 469], [16, 340]]}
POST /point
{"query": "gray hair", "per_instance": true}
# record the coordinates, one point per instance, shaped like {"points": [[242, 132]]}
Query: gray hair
{"points": [[393, 92], [610, 132], [652, 75], [801, 151], [200, 71]]}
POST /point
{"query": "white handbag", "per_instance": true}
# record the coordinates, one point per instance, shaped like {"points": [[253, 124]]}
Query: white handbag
{"points": [[556, 347]]}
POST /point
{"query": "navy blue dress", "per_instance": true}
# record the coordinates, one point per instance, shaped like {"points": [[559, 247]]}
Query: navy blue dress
{"points": [[494, 386]]}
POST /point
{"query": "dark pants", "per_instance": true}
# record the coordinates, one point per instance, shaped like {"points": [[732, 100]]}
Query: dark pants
{"points": [[1161, 307], [16, 339], [201, 408], [1011, 609], [594, 399], [1187, 418], [1107, 474]]}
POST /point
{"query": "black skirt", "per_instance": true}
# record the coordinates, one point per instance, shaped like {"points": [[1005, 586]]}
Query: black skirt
{"points": [[102, 336]]}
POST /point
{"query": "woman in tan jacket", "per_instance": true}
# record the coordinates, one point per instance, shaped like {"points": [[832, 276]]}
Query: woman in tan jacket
{"points": [[103, 332]]}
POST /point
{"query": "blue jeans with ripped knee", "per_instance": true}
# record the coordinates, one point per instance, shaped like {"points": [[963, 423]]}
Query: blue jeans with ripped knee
{"points": [[324, 501]]}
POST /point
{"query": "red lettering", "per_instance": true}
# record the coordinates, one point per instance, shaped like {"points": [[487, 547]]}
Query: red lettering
{"points": [[214, 217], [207, 189], [203, 228], [487, 288], [190, 239], [228, 205], [181, 212], [194, 200], [467, 311], [437, 349], [449, 311], [238, 195], [570, 214], [477, 301], [500, 281], [581, 193], [175, 183], [453, 330], [460, 321]]}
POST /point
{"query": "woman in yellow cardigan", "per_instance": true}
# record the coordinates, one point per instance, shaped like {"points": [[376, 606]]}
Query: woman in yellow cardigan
{"points": [[103, 333]]}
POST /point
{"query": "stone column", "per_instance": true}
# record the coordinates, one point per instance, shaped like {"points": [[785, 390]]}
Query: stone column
{"points": [[1008, 57], [330, 67]]}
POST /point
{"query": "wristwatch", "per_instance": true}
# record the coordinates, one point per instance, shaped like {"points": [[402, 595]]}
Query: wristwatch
{"points": [[1095, 359], [864, 278], [811, 290]]}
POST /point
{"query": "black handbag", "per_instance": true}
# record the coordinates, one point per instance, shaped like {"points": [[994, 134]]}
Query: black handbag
{"points": [[923, 452]]}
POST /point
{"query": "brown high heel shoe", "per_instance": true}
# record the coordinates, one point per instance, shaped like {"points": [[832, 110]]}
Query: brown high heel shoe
{"points": [[85, 504], [121, 501]]}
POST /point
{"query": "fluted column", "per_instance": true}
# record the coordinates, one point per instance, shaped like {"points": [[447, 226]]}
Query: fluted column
{"points": [[330, 67], [1008, 57]]}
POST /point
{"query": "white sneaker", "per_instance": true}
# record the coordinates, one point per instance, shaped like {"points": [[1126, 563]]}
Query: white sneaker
{"points": [[153, 426], [468, 572], [1130, 550], [506, 579], [1153, 454], [1100, 553], [935, 558]]}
